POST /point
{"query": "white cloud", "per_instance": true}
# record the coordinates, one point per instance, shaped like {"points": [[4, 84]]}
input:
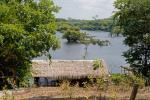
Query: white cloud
{"points": [[91, 4], [87, 4], [85, 9]]}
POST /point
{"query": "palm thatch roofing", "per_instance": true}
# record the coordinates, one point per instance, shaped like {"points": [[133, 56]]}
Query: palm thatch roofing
{"points": [[67, 69]]}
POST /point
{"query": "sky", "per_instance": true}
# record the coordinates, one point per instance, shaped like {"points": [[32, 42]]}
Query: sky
{"points": [[85, 9]]}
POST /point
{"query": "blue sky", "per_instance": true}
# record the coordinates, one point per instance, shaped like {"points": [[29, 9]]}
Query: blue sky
{"points": [[85, 9]]}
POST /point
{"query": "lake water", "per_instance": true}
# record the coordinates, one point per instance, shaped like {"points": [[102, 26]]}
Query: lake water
{"points": [[112, 54]]}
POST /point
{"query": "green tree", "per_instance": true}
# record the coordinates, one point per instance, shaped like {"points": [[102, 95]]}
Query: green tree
{"points": [[27, 30], [116, 30], [73, 35], [134, 18]]}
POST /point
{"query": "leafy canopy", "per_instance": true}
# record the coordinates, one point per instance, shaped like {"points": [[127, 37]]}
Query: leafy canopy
{"points": [[134, 18], [27, 30]]}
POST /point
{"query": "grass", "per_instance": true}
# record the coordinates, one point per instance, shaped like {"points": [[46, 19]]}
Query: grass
{"points": [[115, 87], [113, 92]]}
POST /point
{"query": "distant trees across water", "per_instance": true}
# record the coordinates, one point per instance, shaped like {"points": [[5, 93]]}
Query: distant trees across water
{"points": [[72, 33], [93, 25]]}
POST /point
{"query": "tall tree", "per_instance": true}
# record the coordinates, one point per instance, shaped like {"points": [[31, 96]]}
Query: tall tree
{"points": [[27, 30], [134, 18]]}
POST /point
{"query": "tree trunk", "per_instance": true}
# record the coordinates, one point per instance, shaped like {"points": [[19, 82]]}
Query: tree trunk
{"points": [[134, 92]]}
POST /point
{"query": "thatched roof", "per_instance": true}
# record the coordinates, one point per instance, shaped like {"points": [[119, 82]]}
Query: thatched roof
{"points": [[70, 69]]}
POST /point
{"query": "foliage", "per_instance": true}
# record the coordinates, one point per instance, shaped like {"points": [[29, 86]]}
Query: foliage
{"points": [[117, 78], [63, 25], [107, 24], [73, 34], [133, 16], [122, 79], [95, 24], [101, 83], [27, 30], [116, 30], [97, 64]]}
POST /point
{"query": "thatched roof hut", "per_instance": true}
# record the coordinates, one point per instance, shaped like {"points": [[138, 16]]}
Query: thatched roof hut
{"points": [[66, 69]]}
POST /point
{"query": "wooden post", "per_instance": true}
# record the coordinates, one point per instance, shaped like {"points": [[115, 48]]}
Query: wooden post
{"points": [[134, 92]]}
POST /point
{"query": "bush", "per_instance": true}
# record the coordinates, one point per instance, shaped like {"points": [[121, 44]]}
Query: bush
{"points": [[97, 64], [122, 79]]}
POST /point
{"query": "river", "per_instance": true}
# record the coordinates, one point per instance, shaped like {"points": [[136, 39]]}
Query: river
{"points": [[112, 54]]}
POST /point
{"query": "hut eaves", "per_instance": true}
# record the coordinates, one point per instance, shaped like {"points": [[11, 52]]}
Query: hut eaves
{"points": [[66, 69]]}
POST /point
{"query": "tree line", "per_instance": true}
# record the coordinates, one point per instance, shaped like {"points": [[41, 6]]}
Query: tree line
{"points": [[93, 25]]}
